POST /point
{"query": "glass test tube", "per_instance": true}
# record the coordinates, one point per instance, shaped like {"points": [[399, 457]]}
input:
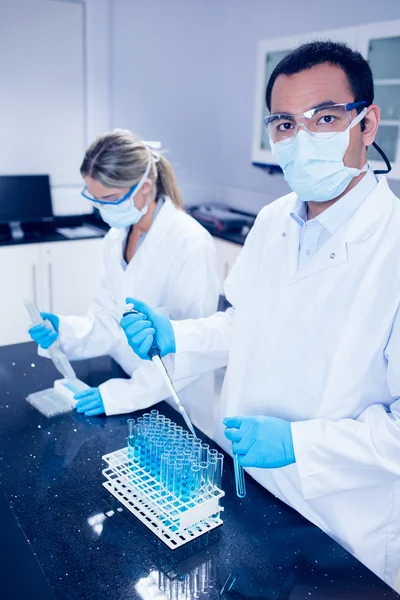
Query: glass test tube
{"points": [[204, 452], [217, 483], [131, 439], [195, 482], [203, 479], [239, 477]]}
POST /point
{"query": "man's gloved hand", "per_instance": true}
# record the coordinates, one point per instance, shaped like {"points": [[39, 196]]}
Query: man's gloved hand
{"points": [[90, 402], [141, 329], [45, 336], [264, 442]]}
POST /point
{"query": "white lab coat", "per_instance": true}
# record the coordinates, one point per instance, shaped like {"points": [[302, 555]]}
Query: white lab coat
{"points": [[319, 346], [175, 269]]}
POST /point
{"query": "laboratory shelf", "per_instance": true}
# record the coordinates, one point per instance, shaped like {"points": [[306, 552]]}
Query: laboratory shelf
{"points": [[174, 522]]}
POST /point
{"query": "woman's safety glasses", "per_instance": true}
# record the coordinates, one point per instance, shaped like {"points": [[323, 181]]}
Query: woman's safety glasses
{"points": [[86, 194], [325, 118]]}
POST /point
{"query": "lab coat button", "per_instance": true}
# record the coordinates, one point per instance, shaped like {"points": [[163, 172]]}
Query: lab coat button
{"points": [[283, 234], [333, 255]]}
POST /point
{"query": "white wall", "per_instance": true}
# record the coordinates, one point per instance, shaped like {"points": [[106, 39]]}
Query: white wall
{"points": [[184, 71], [97, 92], [166, 64], [54, 68]]}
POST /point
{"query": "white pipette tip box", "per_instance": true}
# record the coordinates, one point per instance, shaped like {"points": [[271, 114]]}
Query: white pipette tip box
{"points": [[174, 522], [67, 388], [59, 399]]}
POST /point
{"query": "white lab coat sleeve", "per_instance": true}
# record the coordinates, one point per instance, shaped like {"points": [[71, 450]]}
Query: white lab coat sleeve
{"points": [[145, 388], [192, 293], [95, 334], [201, 345], [336, 456], [98, 332]]}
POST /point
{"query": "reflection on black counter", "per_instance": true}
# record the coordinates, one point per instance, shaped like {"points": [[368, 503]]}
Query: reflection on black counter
{"points": [[90, 547]]}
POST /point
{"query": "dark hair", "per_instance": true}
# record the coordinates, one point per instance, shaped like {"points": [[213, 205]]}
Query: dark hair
{"points": [[357, 69]]}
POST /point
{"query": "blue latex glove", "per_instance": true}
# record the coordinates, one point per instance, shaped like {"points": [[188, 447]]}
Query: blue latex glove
{"points": [[45, 336], [264, 442], [90, 402], [141, 329]]}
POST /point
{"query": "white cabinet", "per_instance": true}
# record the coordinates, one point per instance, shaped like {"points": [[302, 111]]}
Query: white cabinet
{"points": [[20, 280], [227, 253], [73, 270], [380, 44], [59, 277]]}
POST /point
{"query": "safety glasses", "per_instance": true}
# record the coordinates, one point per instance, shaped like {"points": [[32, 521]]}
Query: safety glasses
{"points": [[325, 118], [86, 194]]}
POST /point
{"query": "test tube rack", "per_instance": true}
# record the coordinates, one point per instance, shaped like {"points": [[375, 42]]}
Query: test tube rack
{"points": [[174, 522]]}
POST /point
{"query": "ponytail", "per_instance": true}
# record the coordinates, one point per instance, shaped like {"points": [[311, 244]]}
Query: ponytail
{"points": [[166, 182]]}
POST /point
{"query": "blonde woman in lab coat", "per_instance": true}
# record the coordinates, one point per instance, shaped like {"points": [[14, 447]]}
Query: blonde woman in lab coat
{"points": [[155, 251]]}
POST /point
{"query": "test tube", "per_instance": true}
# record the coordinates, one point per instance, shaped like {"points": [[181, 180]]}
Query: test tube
{"points": [[146, 420], [212, 453], [239, 477], [131, 439], [203, 479], [195, 482], [131, 423], [196, 449], [186, 480], [212, 466], [165, 473], [154, 413], [178, 473], [204, 452], [217, 483]]}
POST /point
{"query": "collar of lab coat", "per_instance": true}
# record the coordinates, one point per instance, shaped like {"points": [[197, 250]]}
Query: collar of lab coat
{"points": [[358, 228], [340, 212], [159, 228]]}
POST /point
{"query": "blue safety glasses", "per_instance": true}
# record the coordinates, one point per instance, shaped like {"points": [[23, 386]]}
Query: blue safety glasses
{"points": [[86, 194]]}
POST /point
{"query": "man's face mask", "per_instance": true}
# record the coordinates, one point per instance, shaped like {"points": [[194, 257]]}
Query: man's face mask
{"points": [[312, 157]]}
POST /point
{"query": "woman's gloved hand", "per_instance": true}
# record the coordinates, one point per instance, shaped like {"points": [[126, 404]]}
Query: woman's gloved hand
{"points": [[141, 330], [43, 335], [90, 402], [264, 442]]}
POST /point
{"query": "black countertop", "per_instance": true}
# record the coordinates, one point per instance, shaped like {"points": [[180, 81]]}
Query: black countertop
{"points": [[44, 232], [56, 540]]}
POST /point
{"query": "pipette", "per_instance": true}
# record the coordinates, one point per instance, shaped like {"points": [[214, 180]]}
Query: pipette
{"points": [[155, 355], [58, 357]]}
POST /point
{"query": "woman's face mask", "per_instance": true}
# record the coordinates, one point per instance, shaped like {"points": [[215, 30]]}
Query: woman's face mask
{"points": [[123, 212]]}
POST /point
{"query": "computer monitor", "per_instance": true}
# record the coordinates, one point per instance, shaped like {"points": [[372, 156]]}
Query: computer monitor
{"points": [[24, 198]]}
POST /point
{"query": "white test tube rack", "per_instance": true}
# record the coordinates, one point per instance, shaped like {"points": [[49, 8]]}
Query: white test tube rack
{"points": [[174, 522]]}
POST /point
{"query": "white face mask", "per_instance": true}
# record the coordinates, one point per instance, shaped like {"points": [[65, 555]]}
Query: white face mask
{"points": [[125, 213], [313, 164]]}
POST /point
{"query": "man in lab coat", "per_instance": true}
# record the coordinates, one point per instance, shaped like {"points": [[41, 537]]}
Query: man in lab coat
{"points": [[312, 341]]}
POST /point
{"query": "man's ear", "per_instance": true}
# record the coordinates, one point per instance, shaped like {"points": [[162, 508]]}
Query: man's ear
{"points": [[371, 124]]}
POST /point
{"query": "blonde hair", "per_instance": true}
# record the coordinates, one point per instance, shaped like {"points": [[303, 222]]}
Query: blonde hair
{"points": [[120, 159]]}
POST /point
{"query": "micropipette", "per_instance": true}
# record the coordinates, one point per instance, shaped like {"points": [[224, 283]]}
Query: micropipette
{"points": [[58, 357], [155, 356]]}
